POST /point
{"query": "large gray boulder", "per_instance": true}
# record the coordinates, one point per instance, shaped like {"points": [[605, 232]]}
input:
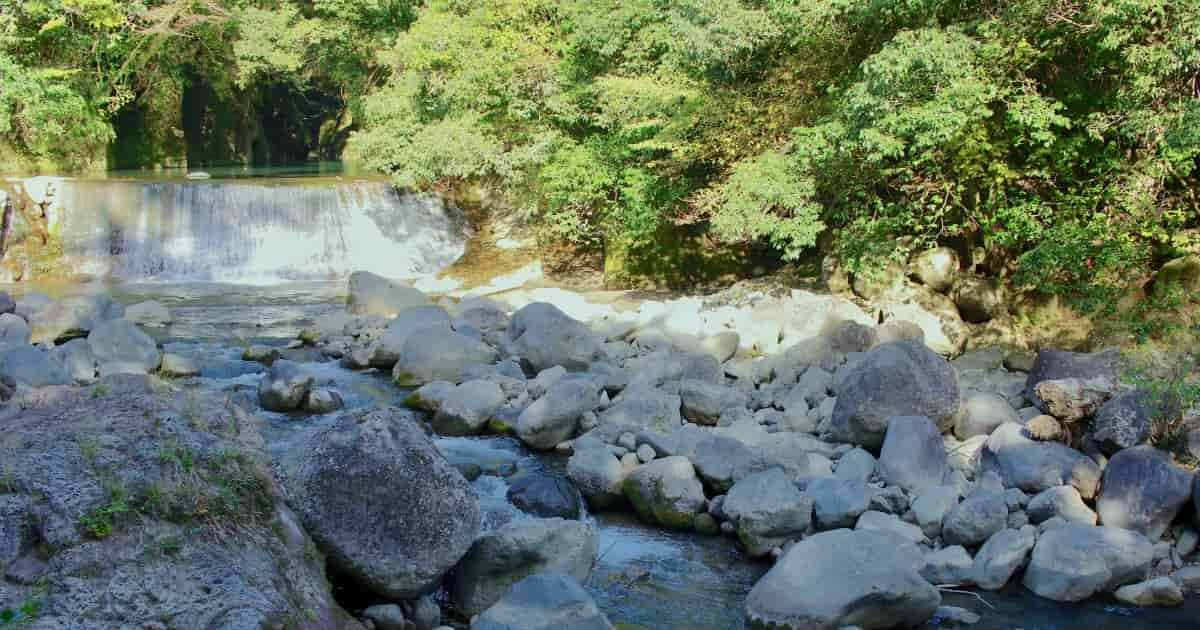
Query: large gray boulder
{"points": [[704, 402], [544, 601], [31, 366], [982, 412], [644, 408], [371, 294], [13, 331], [838, 502], [979, 299], [284, 386], [121, 347], [768, 511], [1074, 562], [1036, 466], [382, 503], [554, 417], [218, 548], [1122, 422], [901, 378], [544, 336], [1143, 490], [79, 360], [517, 550], [385, 350], [437, 354], [979, 516], [545, 495], [73, 317], [913, 454], [1052, 363], [843, 578], [999, 559], [666, 491], [466, 409], [599, 476]]}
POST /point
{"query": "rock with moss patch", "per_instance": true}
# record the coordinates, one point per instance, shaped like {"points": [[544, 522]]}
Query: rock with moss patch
{"points": [[666, 491]]}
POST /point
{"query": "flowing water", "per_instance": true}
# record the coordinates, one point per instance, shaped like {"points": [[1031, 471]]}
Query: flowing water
{"points": [[645, 577], [256, 231]]}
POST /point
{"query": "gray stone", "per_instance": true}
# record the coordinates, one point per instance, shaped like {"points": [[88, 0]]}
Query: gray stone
{"points": [[31, 305], [1061, 501], [644, 408], [546, 496], [1052, 363], [838, 502], [517, 550], [949, 566], [554, 417], [386, 617], [898, 330], [150, 313], [54, 448], [1035, 466], [902, 378], [814, 385], [7, 304], [382, 503], [955, 616], [979, 299], [1143, 490], [370, 294], [424, 613], [856, 465], [1121, 423], [77, 357], [323, 400], [1188, 578], [598, 475], [385, 350], [931, 507], [1074, 562], [73, 317], [880, 521], [841, 578], [1159, 592], [982, 413], [31, 366], [944, 331], [434, 354], [13, 331], [768, 511], [544, 336], [722, 461], [544, 601], [703, 402], [999, 559], [666, 491], [122, 348], [890, 500], [1073, 399], [983, 513], [284, 387], [16, 535], [1043, 428], [430, 396], [913, 455], [468, 408]]}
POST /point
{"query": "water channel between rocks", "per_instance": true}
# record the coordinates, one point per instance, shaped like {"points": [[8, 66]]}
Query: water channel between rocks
{"points": [[645, 577]]}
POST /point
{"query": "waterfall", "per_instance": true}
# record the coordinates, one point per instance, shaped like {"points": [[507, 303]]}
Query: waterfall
{"points": [[258, 231]]}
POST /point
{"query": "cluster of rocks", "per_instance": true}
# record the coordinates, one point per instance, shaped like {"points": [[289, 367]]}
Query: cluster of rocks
{"points": [[842, 446]]}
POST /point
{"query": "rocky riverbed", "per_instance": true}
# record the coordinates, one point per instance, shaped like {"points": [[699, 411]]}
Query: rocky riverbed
{"points": [[218, 459]]}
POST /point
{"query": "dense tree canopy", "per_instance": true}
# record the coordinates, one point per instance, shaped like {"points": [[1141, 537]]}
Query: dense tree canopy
{"points": [[1056, 141]]}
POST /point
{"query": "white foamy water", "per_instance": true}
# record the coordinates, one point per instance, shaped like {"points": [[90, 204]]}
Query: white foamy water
{"points": [[250, 232]]}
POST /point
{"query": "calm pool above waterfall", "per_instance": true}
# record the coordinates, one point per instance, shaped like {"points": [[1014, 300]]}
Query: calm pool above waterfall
{"points": [[645, 577]]}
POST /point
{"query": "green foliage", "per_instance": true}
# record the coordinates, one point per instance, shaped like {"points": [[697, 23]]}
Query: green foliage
{"points": [[1169, 383], [1041, 132]]}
